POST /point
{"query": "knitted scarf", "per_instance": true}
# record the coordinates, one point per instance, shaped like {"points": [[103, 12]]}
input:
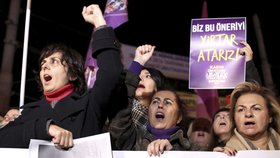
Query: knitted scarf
{"points": [[161, 133], [59, 93]]}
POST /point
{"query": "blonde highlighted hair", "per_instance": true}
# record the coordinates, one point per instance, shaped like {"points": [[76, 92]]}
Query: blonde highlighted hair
{"points": [[270, 99]]}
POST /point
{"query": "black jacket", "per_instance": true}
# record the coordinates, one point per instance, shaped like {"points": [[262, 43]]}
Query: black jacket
{"points": [[125, 135], [83, 115]]}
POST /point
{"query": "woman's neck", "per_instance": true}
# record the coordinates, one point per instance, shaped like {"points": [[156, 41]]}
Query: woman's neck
{"points": [[261, 142], [145, 101], [59, 93], [224, 137]]}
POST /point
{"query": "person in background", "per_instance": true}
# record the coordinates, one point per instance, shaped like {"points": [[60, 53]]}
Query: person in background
{"points": [[143, 82], [256, 116], [67, 109], [200, 135], [165, 113], [222, 127], [1, 117], [11, 115], [139, 79], [151, 80], [222, 124], [252, 73]]}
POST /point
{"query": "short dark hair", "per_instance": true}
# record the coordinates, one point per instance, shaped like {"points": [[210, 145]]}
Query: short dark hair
{"points": [[201, 124], [159, 78], [180, 103], [220, 110], [73, 59]]}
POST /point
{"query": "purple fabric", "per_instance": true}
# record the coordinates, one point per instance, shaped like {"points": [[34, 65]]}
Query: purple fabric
{"points": [[115, 14], [161, 133], [116, 18], [135, 67]]}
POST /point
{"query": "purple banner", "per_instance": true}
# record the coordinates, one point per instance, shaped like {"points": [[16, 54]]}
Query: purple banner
{"points": [[115, 14], [215, 62]]}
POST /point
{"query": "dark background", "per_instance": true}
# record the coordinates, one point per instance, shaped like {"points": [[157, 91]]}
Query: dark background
{"points": [[165, 24]]}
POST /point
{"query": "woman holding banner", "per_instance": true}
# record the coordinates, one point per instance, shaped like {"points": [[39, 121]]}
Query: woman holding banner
{"points": [[256, 116]]}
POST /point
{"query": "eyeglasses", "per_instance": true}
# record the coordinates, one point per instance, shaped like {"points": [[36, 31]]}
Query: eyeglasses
{"points": [[53, 62]]}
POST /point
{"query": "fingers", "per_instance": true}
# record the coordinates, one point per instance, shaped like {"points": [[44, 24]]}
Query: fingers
{"points": [[230, 151], [66, 140], [11, 115], [144, 53], [61, 137], [93, 14], [218, 149], [154, 149], [84, 10], [227, 150], [247, 51], [145, 48], [157, 147], [150, 149]]}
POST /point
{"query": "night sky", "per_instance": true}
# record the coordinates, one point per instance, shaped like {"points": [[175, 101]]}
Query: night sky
{"points": [[165, 24]]}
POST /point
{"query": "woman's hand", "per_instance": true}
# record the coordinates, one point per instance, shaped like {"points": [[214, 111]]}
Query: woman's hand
{"points": [[227, 150], [158, 146]]}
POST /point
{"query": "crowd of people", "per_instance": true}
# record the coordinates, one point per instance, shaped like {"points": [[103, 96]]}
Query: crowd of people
{"points": [[149, 115]]}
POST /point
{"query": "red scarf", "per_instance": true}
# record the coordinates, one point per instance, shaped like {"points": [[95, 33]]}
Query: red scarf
{"points": [[59, 93]]}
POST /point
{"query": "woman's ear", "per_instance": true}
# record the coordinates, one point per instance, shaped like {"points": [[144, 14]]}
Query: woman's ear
{"points": [[72, 78], [179, 119], [156, 89]]}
